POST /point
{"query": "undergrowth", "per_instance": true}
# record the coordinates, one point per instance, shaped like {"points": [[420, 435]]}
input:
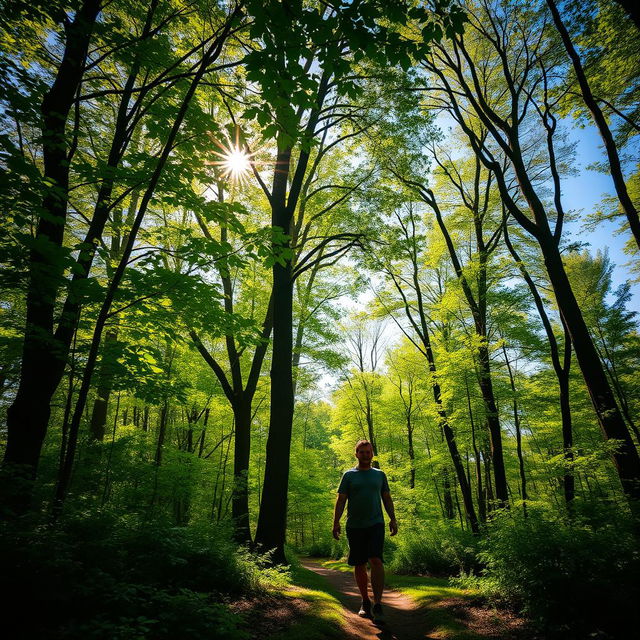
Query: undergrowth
{"points": [[96, 575], [573, 578]]}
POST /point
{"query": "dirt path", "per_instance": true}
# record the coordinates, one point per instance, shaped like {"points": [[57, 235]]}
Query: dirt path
{"points": [[404, 619]]}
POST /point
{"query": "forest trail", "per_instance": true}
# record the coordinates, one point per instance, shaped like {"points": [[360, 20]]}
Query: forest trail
{"points": [[404, 619], [407, 620]]}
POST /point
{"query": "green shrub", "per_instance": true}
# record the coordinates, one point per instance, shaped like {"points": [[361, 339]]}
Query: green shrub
{"points": [[572, 578], [137, 612], [98, 575], [439, 551], [319, 549], [325, 547]]}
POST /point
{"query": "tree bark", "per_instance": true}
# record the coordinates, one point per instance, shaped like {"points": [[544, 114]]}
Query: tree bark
{"points": [[98, 422], [242, 448], [43, 361], [272, 519], [611, 422]]}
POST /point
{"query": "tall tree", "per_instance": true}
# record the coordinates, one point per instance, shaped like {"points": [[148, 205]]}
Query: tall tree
{"points": [[213, 48], [473, 191], [472, 97], [611, 149], [305, 56], [407, 282], [42, 365], [561, 365], [239, 390]]}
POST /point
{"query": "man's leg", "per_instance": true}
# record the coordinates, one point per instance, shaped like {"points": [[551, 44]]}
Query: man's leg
{"points": [[362, 580], [357, 559], [377, 579]]}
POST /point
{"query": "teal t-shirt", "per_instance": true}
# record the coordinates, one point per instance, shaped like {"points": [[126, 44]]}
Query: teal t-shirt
{"points": [[364, 489]]}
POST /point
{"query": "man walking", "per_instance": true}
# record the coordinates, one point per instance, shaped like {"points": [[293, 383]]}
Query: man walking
{"points": [[364, 486]]}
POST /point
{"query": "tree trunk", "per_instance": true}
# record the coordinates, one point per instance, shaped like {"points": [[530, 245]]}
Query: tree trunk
{"points": [[482, 512], [272, 519], [493, 425], [612, 424], [516, 422], [162, 432], [447, 431], [42, 362], [465, 489], [489, 501], [241, 454], [615, 167], [449, 436], [568, 479], [411, 453], [98, 422]]}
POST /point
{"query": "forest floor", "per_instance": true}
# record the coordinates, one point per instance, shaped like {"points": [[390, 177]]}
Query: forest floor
{"points": [[325, 606]]}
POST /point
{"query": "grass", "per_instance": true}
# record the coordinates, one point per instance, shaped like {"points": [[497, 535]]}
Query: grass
{"points": [[427, 592], [422, 589], [324, 617]]}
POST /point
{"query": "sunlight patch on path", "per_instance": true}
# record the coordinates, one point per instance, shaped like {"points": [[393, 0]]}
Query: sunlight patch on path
{"points": [[420, 608]]}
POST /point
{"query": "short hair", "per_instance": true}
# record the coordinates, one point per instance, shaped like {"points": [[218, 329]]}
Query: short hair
{"points": [[361, 442]]}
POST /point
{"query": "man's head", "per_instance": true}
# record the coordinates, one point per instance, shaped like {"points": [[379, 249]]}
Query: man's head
{"points": [[364, 453]]}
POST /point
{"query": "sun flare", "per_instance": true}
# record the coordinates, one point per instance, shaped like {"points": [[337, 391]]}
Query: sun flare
{"points": [[234, 160], [235, 163]]}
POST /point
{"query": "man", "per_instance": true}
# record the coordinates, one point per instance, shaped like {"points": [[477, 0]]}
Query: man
{"points": [[363, 486]]}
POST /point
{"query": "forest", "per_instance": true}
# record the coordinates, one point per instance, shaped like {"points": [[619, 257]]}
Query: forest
{"points": [[237, 236]]}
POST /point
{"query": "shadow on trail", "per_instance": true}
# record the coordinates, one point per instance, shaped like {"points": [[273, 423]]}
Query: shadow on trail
{"points": [[404, 620]]}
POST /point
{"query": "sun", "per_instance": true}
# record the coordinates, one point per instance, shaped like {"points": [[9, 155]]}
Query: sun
{"points": [[235, 163]]}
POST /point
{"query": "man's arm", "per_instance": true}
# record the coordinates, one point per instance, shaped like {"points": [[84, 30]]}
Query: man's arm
{"points": [[337, 514], [391, 512]]}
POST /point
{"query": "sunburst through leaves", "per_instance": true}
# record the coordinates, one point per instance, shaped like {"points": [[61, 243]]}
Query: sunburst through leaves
{"points": [[235, 162]]}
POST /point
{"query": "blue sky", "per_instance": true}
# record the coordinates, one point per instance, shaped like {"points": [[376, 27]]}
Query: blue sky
{"points": [[584, 192]]}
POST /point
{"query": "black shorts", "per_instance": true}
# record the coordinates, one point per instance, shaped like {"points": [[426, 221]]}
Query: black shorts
{"points": [[365, 543]]}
